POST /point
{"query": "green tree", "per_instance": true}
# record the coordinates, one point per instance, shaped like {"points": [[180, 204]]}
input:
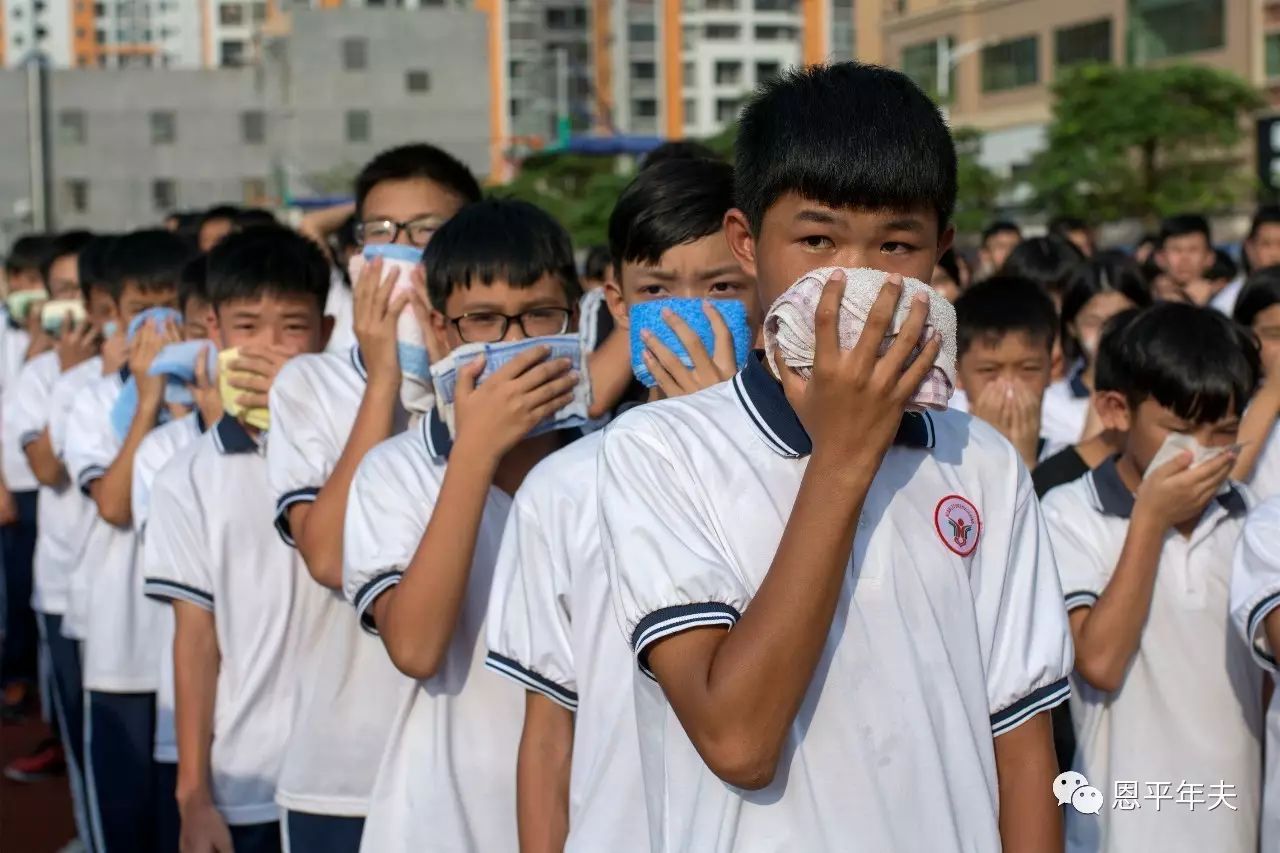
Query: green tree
{"points": [[1143, 142], [978, 187], [578, 190]]}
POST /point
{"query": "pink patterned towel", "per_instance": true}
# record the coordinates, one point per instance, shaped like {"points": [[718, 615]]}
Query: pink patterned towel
{"points": [[789, 327]]}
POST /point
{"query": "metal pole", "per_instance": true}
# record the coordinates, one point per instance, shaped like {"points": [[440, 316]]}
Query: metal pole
{"points": [[38, 142], [943, 68], [563, 124]]}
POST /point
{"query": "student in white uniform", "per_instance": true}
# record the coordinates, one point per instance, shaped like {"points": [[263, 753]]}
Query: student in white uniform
{"points": [[421, 535], [847, 611], [1261, 250], [120, 657], [1258, 310], [244, 609], [327, 413], [1166, 699], [550, 624]]}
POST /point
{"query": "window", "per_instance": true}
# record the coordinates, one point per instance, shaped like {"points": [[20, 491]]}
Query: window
{"points": [[775, 33], [231, 15], [75, 195], [417, 81], [355, 54], [357, 125], [1011, 64], [690, 111], [1085, 43], [775, 5], [163, 194], [920, 63], [71, 128], [726, 110], [1162, 28], [643, 71], [644, 108], [253, 191], [566, 19], [259, 12], [253, 127], [842, 30], [689, 73], [231, 54], [515, 108], [766, 71], [728, 73], [721, 31], [1273, 55], [720, 5], [641, 31], [164, 128]]}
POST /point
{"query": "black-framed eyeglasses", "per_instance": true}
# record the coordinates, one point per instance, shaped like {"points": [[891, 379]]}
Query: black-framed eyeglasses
{"points": [[487, 327], [382, 231]]}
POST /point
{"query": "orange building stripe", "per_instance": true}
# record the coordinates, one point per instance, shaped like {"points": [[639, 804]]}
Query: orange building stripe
{"points": [[602, 44], [814, 46], [3, 17], [673, 67], [84, 34], [493, 9], [206, 22]]}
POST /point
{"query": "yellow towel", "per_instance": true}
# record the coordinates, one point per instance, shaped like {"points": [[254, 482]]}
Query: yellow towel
{"points": [[259, 418]]}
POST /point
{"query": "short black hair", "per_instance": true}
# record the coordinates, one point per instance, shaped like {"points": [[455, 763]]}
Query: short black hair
{"points": [[671, 204], [266, 261], [1000, 226], [597, 262], [93, 266], [66, 243], [1003, 305], [193, 283], [1064, 225], [496, 239], [1261, 291], [1110, 271], [1111, 364], [1223, 268], [1191, 360], [678, 149], [417, 160], [844, 135], [26, 254], [1183, 224], [151, 260], [221, 211], [1048, 261], [254, 217]]}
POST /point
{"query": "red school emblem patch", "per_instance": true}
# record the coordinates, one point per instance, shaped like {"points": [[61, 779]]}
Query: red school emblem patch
{"points": [[958, 524]]}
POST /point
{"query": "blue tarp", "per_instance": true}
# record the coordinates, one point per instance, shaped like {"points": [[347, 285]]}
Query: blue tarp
{"points": [[612, 145]]}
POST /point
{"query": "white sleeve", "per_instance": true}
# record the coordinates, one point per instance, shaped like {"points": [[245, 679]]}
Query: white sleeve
{"points": [[65, 390], [92, 444], [1022, 622], [1255, 579], [387, 513], [175, 558], [1081, 571], [300, 456], [528, 623], [667, 570], [27, 404]]}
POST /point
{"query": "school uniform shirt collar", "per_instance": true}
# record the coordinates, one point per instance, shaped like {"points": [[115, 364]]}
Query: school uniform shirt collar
{"points": [[124, 374], [357, 362], [231, 437], [1115, 499], [769, 411], [436, 435], [1076, 382]]}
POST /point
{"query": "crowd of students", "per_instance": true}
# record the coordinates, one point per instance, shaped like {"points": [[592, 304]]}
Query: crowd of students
{"points": [[283, 601]]}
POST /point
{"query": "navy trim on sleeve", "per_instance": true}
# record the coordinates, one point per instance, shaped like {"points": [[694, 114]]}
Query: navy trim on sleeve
{"points": [[161, 589], [1260, 612], [28, 437], [87, 478], [369, 593], [562, 696], [287, 500], [1080, 598], [669, 621], [1041, 699]]}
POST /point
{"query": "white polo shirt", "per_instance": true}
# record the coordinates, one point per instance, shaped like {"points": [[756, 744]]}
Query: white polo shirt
{"points": [[1065, 410], [1255, 592], [75, 622], [1265, 481], [17, 472], [946, 635], [120, 649], [551, 629], [447, 779], [61, 512], [340, 305], [161, 444], [1190, 708], [210, 543], [350, 688]]}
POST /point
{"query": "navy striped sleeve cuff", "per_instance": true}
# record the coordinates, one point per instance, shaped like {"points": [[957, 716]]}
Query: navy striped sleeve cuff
{"points": [[1257, 615], [369, 593], [669, 621], [530, 680], [1040, 699], [162, 589], [29, 437], [87, 477], [287, 500], [1080, 598]]}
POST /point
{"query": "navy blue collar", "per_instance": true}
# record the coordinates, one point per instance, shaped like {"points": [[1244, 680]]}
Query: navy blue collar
{"points": [[1076, 383], [124, 374], [767, 407], [357, 361], [230, 436], [436, 434], [1116, 500]]}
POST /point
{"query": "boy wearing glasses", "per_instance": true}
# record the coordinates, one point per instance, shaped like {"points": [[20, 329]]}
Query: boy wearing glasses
{"points": [[327, 411], [426, 515]]}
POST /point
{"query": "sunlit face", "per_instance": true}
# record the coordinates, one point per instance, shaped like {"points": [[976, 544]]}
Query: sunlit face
{"points": [[419, 201], [1186, 257], [1263, 248], [798, 236], [1016, 357], [1087, 325], [64, 278], [25, 279], [945, 284], [134, 300], [212, 232], [1082, 240], [197, 318], [289, 321], [1266, 325], [489, 301], [997, 248], [1149, 424], [701, 269], [101, 307]]}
